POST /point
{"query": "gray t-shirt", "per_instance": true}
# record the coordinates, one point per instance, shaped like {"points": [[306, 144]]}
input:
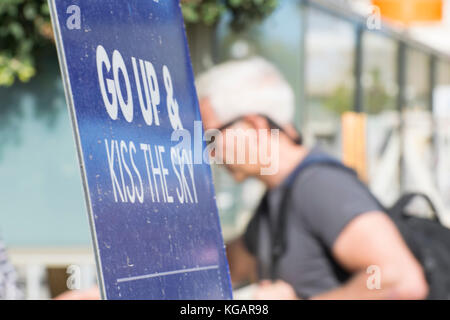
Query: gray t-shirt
{"points": [[324, 199]]}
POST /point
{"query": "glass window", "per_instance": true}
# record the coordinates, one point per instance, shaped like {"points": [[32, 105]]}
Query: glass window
{"points": [[379, 76], [380, 91], [329, 79], [418, 154], [40, 185], [417, 89], [441, 112], [279, 40], [443, 73]]}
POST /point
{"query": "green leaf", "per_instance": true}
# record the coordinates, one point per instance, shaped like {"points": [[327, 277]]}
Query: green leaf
{"points": [[30, 11]]}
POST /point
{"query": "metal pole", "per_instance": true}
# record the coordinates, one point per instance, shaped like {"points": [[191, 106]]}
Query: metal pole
{"points": [[358, 96], [401, 103]]}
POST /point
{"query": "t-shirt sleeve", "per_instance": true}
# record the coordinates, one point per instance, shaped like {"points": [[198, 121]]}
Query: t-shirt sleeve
{"points": [[330, 198]]}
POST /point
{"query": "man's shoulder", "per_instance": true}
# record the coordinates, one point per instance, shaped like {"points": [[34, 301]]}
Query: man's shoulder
{"points": [[326, 175], [331, 187], [327, 197]]}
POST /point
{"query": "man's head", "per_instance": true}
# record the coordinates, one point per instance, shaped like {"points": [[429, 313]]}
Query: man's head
{"points": [[246, 100]]}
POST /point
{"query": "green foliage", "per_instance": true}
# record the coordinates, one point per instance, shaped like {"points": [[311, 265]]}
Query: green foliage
{"points": [[245, 11], [340, 100], [377, 98], [25, 28], [208, 12], [202, 11]]}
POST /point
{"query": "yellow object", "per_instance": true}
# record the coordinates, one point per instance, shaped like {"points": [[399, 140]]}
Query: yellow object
{"points": [[354, 142], [408, 11]]}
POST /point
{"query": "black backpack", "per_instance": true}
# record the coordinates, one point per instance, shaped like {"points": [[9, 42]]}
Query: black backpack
{"points": [[428, 239]]}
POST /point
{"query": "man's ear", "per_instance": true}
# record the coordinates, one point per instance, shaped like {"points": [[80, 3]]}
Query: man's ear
{"points": [[257, 122]]}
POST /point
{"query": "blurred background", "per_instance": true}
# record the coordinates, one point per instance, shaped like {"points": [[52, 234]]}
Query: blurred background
{"points": [[372, 84]]}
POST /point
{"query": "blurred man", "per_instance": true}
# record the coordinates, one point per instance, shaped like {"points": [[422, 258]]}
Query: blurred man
{"points": [[334, 230]]}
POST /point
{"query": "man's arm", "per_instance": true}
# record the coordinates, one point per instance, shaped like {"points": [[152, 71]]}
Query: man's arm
{"points": [[89, 294], [242, 264], [372, 239]]}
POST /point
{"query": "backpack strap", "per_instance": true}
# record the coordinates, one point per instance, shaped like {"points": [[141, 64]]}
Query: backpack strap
{"points": [[398, 209], [278, 234]]}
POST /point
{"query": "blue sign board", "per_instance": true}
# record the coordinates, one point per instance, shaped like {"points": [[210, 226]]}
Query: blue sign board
{"points": [[151, 202]]}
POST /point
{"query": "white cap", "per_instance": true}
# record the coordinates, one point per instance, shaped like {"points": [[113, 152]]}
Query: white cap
{"points": [[243, 87]]}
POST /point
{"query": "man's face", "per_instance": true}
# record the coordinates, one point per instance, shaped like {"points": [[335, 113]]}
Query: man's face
{"points": [[238, 141]]}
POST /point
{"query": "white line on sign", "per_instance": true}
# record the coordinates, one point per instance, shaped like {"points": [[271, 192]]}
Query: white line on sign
{"points": [[168, 273]]}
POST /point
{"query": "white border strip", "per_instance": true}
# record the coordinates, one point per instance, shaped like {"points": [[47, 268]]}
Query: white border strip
{"points": [[71, 107], [168, 273]]}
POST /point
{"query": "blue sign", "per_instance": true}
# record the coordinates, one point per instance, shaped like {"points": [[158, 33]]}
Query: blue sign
{"points": [[150, 197]]}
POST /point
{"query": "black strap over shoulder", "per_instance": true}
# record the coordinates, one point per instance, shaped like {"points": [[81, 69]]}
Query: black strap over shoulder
{"points": [[278, 234]]}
